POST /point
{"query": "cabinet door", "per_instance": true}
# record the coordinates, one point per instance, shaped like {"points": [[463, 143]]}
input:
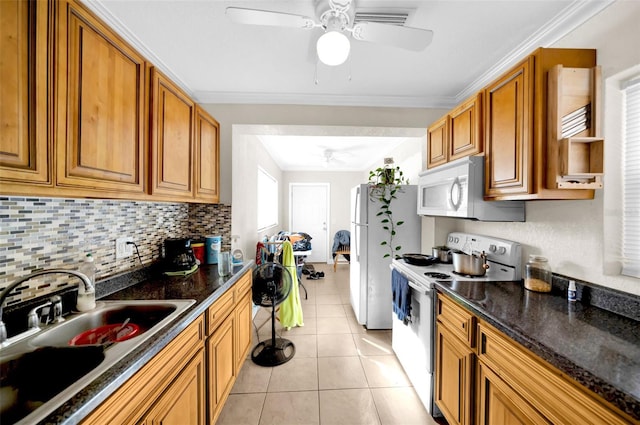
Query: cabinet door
{"points": [[221, 366], [243, 324], [465, 136], [101, 101], [24, 81], [454, 377], [508, 133], [171, 140], [499, 404], [183, 402], [207, 164], [437, 142]]}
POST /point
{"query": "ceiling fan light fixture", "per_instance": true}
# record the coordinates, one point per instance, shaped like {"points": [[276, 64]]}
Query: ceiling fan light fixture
{"points": [[333, 48]]}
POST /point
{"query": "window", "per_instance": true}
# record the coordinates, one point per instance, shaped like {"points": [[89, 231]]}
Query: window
{"points": [[267, 200], [631, 178]]}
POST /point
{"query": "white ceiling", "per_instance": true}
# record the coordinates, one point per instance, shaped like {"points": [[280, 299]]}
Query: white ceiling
{"points": [[218, 61], [335, 153]]}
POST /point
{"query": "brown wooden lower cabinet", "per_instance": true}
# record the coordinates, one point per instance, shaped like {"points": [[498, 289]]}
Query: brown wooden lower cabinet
{"points": [[454, 377], [486, 378], [159, 387], [498, 403], [222, 373], [183, 401], [188, 382]]}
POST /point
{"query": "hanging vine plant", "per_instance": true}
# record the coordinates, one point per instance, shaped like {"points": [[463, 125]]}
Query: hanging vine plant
{"points": [[384, 184]]}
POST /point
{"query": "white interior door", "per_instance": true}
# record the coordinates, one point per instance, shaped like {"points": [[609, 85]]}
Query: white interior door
{"points": [[309, 213]]}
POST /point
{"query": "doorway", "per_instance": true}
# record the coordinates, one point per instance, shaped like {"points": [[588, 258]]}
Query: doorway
{"points": [[309, 213]]}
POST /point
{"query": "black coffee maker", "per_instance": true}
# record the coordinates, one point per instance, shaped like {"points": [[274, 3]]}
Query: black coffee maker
{"points": [[178, 256]]}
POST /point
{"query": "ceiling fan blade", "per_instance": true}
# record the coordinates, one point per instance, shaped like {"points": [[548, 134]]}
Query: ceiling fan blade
{"points": [[415, 39], [265, 17]]}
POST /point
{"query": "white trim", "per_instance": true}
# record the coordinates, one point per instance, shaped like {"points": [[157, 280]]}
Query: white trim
{"points": [[444, 102]]}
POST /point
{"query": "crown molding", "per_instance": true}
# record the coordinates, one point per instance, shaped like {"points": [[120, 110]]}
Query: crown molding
{"points": [[574, 15], [445, 102]]}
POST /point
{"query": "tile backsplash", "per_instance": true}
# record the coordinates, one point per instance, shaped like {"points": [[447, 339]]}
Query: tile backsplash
{"points": [[38, 233]]}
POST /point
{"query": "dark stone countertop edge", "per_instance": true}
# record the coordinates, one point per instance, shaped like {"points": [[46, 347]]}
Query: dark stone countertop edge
{"points": [[87, 399], [606, 390]]}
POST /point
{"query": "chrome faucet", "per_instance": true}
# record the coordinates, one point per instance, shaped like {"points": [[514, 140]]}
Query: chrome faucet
{"points": [[5, 293]]}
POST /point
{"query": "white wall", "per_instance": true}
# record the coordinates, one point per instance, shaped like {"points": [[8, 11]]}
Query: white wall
{"points": [[249, 155], [571, 233]]}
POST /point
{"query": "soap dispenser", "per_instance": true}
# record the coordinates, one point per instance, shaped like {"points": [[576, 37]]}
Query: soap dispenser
{"points": [[87, 299]]}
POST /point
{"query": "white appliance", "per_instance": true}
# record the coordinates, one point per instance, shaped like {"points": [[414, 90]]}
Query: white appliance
{"points": [[370, 277], [414, 343], [456, 189]]}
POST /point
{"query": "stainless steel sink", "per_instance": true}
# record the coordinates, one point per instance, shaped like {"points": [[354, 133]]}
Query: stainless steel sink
{"points": [[27, 397]]}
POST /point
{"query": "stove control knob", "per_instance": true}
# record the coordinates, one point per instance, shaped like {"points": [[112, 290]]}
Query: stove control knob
{"points": [[492, 248], [502, 250]]}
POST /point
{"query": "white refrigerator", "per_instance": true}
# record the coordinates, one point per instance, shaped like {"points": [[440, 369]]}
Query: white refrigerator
{"points": [[370, 275]]}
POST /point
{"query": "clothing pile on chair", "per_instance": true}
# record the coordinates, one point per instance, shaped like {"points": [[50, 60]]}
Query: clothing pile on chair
{"points": [[341, 242]]}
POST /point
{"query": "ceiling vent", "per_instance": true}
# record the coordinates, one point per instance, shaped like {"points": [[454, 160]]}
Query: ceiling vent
{"points": [[381, 17]]}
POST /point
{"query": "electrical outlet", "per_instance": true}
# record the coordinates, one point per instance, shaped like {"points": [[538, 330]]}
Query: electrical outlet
{"points": [[123, 249]]}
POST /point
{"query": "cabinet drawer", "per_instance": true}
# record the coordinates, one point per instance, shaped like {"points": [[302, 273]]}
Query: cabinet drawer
{"points": [[458, 320], [243, 285], [560, 399], [219, 311]]}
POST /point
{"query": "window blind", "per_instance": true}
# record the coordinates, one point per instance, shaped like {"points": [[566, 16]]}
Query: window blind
{"points": [[631, 178]]}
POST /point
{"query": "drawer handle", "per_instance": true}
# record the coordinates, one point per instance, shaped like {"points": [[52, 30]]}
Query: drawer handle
{"points": [[463, 325]]}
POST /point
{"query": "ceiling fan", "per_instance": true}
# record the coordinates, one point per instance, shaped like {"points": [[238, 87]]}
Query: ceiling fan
{"points": [[333, 46]]}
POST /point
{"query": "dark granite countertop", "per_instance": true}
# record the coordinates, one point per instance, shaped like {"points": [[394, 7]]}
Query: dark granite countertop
{"points": [[597, 348], [204, 286]]}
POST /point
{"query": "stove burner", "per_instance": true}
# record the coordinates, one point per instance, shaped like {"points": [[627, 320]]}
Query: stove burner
{"points": [[467, 275], [436, 275]]}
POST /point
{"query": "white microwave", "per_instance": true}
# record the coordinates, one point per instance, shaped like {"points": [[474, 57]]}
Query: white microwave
{"points": [[456, 189]]}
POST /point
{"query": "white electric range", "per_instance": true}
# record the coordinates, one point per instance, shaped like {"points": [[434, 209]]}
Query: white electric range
{"points": [[413, 341]]}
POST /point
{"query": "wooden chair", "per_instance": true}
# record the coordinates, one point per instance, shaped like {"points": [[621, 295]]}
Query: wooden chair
{"points": [[342, 250]]}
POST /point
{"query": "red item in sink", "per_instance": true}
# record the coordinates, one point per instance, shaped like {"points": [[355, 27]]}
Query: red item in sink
{"points": [[106, 333]]}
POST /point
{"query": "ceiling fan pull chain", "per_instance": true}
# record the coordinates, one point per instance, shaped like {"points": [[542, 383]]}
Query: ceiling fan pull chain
{"points": [[315, 74]]}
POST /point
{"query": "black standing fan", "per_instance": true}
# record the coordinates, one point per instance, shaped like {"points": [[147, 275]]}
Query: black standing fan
{"points": [[271, 285]]}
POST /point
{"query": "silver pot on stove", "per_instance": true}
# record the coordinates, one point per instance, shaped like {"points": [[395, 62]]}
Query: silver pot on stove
{"points": [[474, 264], [442, 253]]}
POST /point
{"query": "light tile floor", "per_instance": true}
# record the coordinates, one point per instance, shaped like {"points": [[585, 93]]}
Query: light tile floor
{"points": [[341, 373]]}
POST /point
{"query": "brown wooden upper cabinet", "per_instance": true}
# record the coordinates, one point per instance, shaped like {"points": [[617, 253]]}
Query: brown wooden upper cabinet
{"points": [[437, 140], [172, 140], [508, 113], [515, 128], [457, 134], [101, 104], [207, 169], [25, 68]]}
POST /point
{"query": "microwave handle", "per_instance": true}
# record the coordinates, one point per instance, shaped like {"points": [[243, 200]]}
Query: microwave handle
{"points": [[455, 194]]}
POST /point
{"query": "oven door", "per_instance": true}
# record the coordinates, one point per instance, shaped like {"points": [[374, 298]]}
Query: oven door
{"points": [[413, 343]]}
